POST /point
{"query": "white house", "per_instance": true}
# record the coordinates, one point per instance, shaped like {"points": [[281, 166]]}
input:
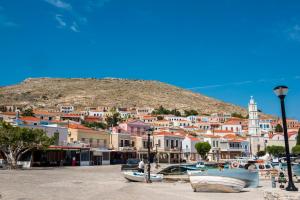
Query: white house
{"points": [[66, 109], [234, 126], [96, 113], [188, 148], [182, 123]]}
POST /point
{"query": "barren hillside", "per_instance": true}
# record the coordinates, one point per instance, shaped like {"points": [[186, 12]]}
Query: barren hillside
{"points": [[50, 92]]}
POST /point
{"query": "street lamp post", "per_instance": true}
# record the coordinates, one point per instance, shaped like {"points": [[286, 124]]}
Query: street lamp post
{"points": [[149, 131], [281, 92], [156, 156]]}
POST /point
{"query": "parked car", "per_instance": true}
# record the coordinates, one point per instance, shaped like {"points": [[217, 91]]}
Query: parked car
{"points": [[131, 164]]}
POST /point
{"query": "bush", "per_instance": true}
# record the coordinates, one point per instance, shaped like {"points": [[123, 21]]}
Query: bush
{"points": [[260, 153], [296, 149]]}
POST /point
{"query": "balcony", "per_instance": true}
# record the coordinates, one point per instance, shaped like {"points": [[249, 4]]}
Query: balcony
{"points": [[126, 148]]}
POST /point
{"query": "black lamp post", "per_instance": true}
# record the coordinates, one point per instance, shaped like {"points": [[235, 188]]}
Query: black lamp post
{"points": [[281, 92], [149, 132], [156, 156]]}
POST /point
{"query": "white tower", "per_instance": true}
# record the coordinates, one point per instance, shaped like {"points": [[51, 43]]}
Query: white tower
{"points": [[253, 126]]}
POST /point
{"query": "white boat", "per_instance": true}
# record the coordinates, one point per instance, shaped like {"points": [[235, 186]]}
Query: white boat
{"points": [[250, 177], [141, 177], [216, 184]]}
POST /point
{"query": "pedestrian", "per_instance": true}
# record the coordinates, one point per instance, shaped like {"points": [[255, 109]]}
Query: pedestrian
{"points": [[141, 166]]}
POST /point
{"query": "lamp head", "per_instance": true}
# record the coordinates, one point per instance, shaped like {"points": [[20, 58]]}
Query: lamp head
{"points": [[281, 91]]}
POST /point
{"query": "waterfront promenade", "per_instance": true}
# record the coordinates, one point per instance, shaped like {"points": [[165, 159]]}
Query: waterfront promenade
{"points": [[102, 182]]}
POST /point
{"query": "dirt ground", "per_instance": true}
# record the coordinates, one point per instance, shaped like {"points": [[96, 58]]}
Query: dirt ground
{"points": [[102, 182]]}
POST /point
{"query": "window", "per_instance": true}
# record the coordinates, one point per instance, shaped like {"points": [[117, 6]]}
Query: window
{"points": [[122, 143], [91, 141], [158, 142], [172, 143], [217, 143], [167, 143], [176, 144], [83, 139], [126, 143], [214, 144]]}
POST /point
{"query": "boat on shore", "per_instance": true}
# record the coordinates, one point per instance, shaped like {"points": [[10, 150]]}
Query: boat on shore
{"points": [[249, 177], [216, 184], [141, 177]]}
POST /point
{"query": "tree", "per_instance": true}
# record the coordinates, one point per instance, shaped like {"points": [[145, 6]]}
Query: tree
{"points": [[298, 137], [203, 148], [260, 153], [28, 112], [237, 115], [175, 112], [161, 111], [278, 128], [190, 112], [275, 150], [100, 125], [113, 120], [296, 149], [16, 141]]}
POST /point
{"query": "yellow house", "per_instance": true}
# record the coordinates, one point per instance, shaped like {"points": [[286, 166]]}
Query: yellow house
{"points": [[93, 138]]}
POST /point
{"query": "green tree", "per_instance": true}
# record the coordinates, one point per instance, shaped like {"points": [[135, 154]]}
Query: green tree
{"points": [[260, 153], [238, 115], [278, 128], [28, 113], [175, 112], [113, 120], [275, 150], [16, 141], [161, 111], [100, 125], [298, 137], [203, 148], [296, 149], [190, 112]]}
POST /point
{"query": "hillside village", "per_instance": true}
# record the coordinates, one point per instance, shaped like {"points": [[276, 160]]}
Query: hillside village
{"points": [[109, 135]]}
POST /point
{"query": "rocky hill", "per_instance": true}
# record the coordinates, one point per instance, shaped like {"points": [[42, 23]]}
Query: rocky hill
{"points": [[51, 92]]}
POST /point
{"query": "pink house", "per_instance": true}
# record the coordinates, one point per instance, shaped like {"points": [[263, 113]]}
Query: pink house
{"points": [[135, 127]]}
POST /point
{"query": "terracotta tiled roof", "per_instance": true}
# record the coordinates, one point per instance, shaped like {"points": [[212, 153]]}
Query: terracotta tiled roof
{"points": [[211, 136], [8, 113], [71, 115], [194, 138], [223, 131], [165, 133], [32, 119], [229, 136], [78, 126]]}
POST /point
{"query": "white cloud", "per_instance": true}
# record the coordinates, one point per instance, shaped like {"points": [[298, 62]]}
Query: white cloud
{"points": [[59, 19], [59, 4], [74, 27]]}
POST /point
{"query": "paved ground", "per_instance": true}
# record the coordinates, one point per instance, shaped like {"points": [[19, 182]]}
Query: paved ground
{"points": [[103, 182]]}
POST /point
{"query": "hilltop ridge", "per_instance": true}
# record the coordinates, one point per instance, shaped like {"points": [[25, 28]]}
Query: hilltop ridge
{"points": [[82, 92]]}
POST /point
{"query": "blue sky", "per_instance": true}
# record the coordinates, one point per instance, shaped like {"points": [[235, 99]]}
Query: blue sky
{"points": [[225, 49]]}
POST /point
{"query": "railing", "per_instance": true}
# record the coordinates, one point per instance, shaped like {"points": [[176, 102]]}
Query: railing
{"points": [[126, 148]]}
